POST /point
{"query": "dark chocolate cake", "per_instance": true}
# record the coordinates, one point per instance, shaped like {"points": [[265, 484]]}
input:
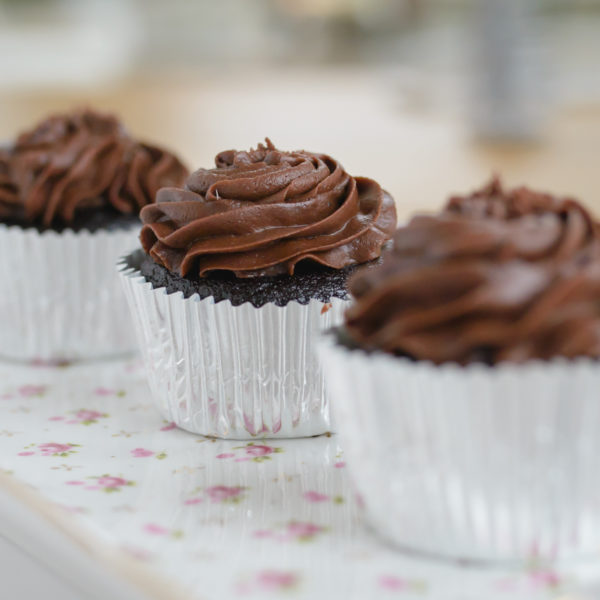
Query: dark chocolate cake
{"points": [[92, 220], [319, 284]]}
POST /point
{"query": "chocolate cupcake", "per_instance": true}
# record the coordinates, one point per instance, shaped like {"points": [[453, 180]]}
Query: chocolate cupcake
{"points": [[70, 194], [465, 379], [243, 266]]}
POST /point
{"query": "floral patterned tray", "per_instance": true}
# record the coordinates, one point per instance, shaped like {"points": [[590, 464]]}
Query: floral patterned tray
{"points": [[217, 519]]}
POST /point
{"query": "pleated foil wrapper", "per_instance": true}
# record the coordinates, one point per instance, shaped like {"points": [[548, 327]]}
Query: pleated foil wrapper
{"points": [[60, 298], [479, 463], [237, 372]]}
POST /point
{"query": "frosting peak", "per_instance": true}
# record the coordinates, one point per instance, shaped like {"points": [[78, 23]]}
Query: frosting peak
{"points": [[262, 212], [497, 275], [80, 160]]}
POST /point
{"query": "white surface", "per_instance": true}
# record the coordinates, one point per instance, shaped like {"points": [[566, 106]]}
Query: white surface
{"points": [[24, 577], [183, 516], [38, 561], [66, 43]]}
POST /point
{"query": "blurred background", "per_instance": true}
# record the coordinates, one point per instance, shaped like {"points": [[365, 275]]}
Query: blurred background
{"points": [[427, 96]]}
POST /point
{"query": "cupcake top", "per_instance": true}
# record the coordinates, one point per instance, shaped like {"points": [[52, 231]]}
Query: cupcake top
{"points": [[263, 212], [499, 275], [80, 161]]}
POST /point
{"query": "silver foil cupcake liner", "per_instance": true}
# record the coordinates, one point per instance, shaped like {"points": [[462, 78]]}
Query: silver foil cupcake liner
{"points": [[60, 298], [482, 463], [227, 371]]}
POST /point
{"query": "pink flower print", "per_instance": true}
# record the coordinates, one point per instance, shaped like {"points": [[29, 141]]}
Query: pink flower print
{"points": [[276, 580], [169, 426], [257, 450], [87, 417], [253, 452], [109, 483], [225, 455], [56, 419], [53, 449], [192, 501], [74, 482], [340, 465], [313, 496], [224, 493], [141, 453], [155, 529], [28, 391], [294, 531], [303, 531], [50, 449], [545, 579], [262, 533], [102, 391], [392, 583]]}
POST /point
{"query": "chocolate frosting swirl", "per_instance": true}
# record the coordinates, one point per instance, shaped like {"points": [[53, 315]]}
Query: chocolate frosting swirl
{"points": [[498, 275], [262, 212], [83, 160]]}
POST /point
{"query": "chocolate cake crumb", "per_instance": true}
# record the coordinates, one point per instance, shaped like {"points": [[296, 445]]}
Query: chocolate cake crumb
{"points": [[321, 284]]}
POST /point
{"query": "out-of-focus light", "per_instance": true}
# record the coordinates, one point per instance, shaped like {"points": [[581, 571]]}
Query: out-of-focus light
{"points": [[66, 43]]}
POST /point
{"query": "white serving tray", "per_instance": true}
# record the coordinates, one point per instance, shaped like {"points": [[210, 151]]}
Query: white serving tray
{"points": [[128, 507]]}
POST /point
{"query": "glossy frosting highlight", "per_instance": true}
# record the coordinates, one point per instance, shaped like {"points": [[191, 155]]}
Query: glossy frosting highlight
{"points": [[83, 160], [498, 275], [261, 212]]}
